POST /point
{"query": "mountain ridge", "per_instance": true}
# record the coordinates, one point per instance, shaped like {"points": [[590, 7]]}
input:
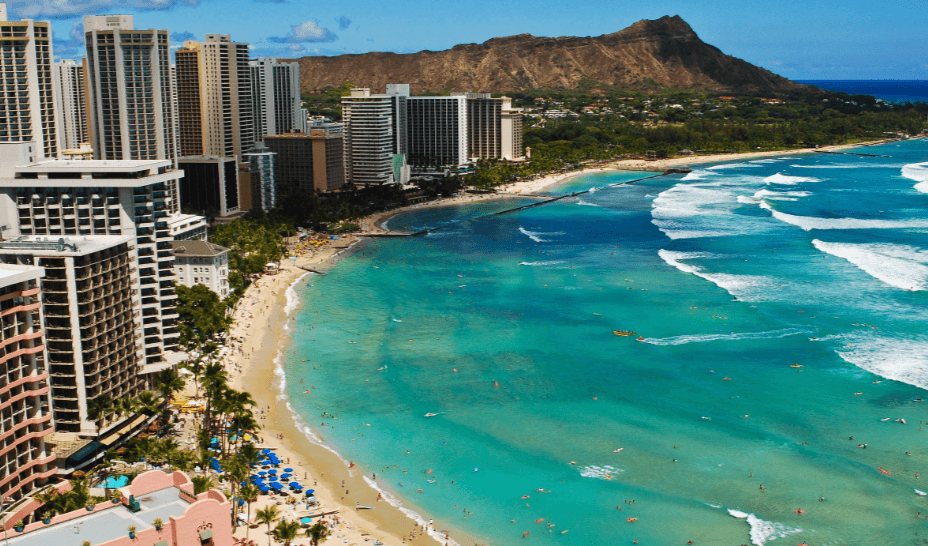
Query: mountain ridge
{"points": [[649, 53]]}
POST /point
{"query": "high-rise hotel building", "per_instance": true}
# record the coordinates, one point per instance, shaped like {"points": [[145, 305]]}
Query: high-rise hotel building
{"points": [[27, 110], [436, 131], [70, 104], [276, 97], [90, 303], [375, 131], [57, 199], [214, 97], [494, 127], [129, 88], [25, 461]]}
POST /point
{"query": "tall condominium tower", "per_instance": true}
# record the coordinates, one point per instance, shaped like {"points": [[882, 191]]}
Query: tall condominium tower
{"points": [[54, 199], [70, 103], [187, 68], [28, 111], [129, 89], [91, 320], [436, 131], [226, 97], [375, 131], [214, 97], [275, 96], [25, 462], [494, 127]]}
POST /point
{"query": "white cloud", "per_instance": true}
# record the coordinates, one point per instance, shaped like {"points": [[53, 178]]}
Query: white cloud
{"points": [[65, 9], [307, 31]]}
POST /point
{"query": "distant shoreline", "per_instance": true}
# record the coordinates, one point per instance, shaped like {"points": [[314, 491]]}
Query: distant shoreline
{"points": [[374, 224]]}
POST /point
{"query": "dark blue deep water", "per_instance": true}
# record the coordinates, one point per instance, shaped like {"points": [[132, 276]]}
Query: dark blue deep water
{"points": [[888, 90]]}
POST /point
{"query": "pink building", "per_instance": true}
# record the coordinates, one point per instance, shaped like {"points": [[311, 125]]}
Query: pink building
{"points": [[188, 519], [25, 463]]}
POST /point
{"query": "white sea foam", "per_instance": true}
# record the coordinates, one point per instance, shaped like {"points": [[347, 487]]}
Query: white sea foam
{"points": [[293, 301], [747, 200], [904, 360], [762, 531], [746, 287], [808, 223], [536, 235], [536, 264], [900, 266], [585, 204], [919, 173], [411, 514], [683, 340], [698, 174], [605, 472], [680, 211], [765, 161], [787, 180], [733, 166], [593, 190], [781, 195]]}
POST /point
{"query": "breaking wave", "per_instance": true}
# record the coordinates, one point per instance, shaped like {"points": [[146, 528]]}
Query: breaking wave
{"points": [[900, 266], [683, 340]]}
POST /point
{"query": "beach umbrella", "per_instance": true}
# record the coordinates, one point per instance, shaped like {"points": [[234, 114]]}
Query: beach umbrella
{"points": [[272, 471], [277, 485], [295, 484], [288, 470], [306, 521], [284, 476], [262, 473], [266, 450], [310, 491], [264, 489]]}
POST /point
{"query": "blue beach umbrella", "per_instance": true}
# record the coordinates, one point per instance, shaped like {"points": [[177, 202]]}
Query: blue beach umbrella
{"points": [[295, 485], [284, 476], [310, 491], [264, 489], [277, 485], [266, 450], [288, 470], [262, 473], [272, 471]]}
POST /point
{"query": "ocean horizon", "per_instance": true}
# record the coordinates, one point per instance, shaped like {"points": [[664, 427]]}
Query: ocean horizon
{"points": [[772, 386], [887, 90]]}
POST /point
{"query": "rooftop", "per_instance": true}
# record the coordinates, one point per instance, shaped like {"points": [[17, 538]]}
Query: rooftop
{"points": [[62, 246], [197, 248], [95, 165], [105, 525], [12, 274]]}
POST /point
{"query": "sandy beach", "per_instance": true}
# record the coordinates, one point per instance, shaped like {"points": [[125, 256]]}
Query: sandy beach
{"points": [[261, 330], [261, 335]]}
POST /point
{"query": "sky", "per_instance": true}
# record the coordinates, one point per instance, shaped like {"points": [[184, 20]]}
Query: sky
{"points": [[798, 39]]}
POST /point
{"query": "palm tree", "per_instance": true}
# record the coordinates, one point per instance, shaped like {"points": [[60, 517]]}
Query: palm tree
{"points": [[249, 493], [196, 368], [214, 379], [169, 382], [98, 408], [144, 448], [317, 533], [238, 472], [147, 402], [126, 406], [287, 531], [268, 515], [202, 484]]}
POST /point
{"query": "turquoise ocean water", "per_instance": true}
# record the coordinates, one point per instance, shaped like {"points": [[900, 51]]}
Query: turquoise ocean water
{"points": [[784, 309]]}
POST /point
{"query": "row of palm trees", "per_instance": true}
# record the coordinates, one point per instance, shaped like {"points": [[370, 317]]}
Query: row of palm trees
{"points": [[287, 531]]}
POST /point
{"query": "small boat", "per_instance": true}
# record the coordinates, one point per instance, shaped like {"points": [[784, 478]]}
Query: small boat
{"points": [[431, 414], [618, 450], [900, 421], [362, 507], [623, 333], [639, 338], [886, 419], [795, 365]]}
